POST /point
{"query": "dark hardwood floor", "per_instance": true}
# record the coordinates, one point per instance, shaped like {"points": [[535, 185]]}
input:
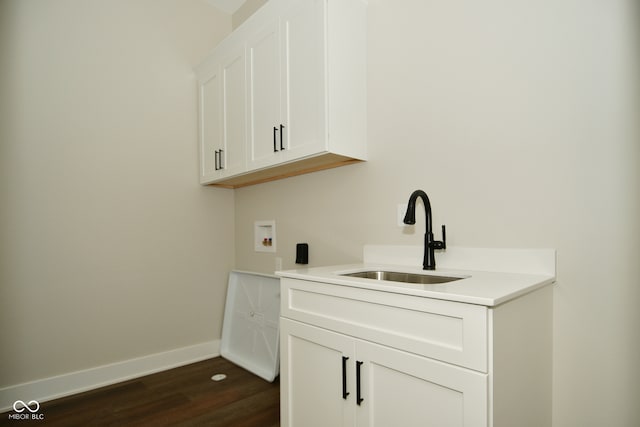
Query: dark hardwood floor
{"points": [[184, 396]]}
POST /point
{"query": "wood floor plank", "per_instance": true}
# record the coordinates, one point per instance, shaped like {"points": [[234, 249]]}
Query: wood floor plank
{"points": [[184, 396]]}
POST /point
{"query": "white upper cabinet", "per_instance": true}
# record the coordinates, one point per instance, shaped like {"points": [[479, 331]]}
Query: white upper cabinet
{"points": [[222, 88], [287, 87], [265, 117], [304, 77]]}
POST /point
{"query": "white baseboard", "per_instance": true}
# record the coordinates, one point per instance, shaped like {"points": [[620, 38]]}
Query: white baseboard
{"points": [[88, 379]]}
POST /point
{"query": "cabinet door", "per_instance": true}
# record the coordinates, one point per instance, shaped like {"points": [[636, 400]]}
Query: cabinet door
{"points": [[210, 88], [232, 157], [264, 101], [311, 376], [303, 78], [222, 83], [403, 389]]}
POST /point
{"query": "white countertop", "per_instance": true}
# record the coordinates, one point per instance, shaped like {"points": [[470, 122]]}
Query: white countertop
{"points": [[489, 288]]}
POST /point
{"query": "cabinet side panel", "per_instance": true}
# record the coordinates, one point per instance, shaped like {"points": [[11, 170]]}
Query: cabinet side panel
{"points": [[347, 83], [303, 77], [522, 361]]}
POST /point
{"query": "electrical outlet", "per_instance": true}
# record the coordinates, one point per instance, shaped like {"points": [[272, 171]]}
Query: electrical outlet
{"points": [[278, 263]]}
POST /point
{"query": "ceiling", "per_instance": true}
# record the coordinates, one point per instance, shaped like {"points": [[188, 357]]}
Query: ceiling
{"points": [[228, 6]]}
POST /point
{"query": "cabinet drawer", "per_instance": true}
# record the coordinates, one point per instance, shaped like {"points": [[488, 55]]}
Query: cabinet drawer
{"points": [[448, 331]]}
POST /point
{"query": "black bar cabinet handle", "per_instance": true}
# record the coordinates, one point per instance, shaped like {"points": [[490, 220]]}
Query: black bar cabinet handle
{"points": [[215, 159], [345, 393], [221, 163], [444, 237], [281, 132], [275, 148], [359, 398]]}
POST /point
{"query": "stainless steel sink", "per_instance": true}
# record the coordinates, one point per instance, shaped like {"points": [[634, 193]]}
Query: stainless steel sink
{"points": [[394, 276]]}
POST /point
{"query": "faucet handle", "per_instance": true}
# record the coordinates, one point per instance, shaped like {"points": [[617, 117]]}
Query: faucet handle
{"points": [[437, 244]]}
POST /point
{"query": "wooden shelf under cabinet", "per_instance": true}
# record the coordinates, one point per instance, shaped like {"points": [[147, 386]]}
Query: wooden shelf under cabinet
{"points": [[299, 167]]}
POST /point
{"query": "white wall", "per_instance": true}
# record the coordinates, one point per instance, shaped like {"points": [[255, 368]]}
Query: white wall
{"points": [[519, 119], [245, 10], [109, 247]]}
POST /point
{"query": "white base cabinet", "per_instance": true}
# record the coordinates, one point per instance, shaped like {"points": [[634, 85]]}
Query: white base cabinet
{"points": [[336, 380], [344, 364]]}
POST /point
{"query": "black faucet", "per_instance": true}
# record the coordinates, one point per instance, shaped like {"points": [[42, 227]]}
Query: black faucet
{"points": [[430, 245]]}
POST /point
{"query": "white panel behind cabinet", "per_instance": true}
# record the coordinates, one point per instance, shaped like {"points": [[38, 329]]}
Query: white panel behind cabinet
{"points": [[250, 332]]}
